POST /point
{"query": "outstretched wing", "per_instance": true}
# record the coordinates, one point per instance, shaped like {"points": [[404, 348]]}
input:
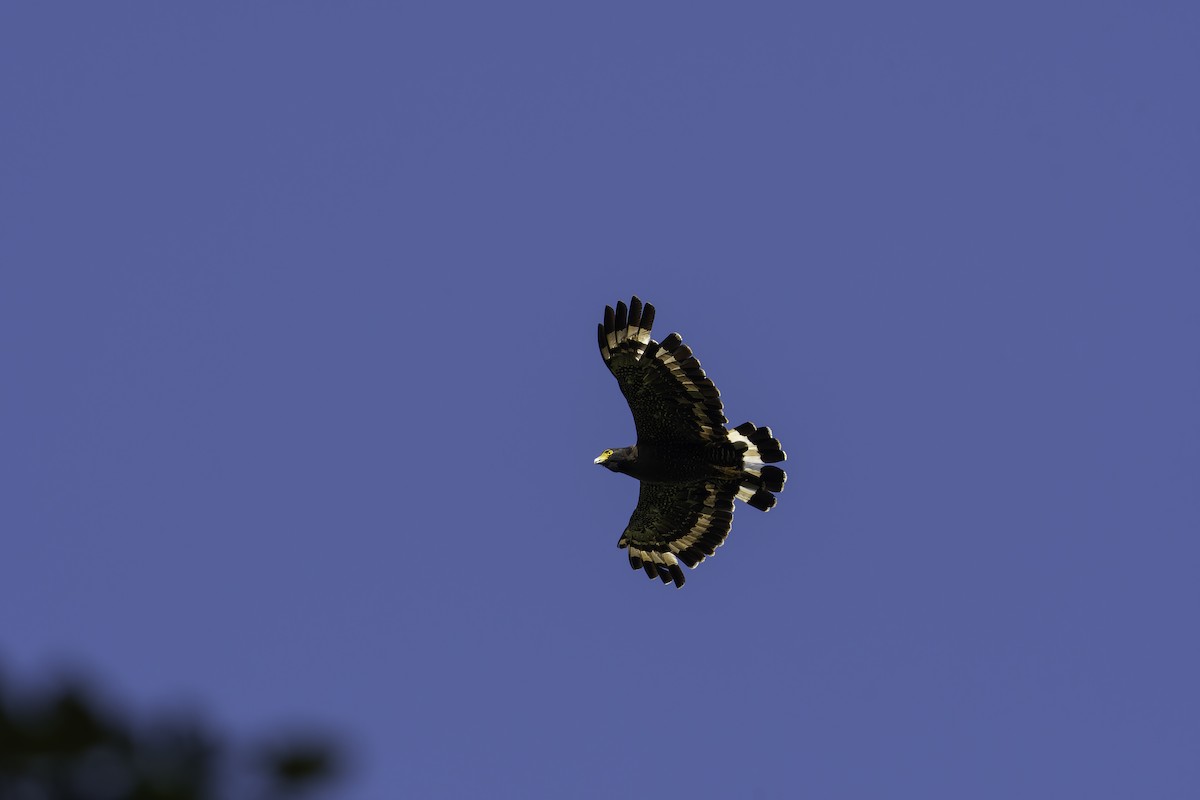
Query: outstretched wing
{"points": [[676, 522], [671, 398]]}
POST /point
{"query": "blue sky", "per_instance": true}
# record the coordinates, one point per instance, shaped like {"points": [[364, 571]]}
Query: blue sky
{"points": [[301, 393]]}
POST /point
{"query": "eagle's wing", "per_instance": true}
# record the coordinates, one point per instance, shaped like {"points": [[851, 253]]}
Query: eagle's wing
{"points": [[676, 522], [671, 398]]}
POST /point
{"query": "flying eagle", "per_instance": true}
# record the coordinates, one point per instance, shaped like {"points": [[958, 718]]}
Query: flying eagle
{"points": [[690, 466]]}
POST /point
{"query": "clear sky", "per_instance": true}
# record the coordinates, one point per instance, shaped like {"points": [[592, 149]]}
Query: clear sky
{"points": [[300, 388]]}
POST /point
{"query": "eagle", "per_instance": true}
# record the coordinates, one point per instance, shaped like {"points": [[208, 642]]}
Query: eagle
{"points": [[691, 467]]}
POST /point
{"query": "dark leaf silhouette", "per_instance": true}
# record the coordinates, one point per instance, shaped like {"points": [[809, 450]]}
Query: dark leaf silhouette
{"points": [[65, 744]]}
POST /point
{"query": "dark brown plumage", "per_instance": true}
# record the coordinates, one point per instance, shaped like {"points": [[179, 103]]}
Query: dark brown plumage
{"points": [[690, 466]]}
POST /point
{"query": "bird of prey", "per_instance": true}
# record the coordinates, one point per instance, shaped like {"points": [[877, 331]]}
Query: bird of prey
{"points": [[691, 467]]}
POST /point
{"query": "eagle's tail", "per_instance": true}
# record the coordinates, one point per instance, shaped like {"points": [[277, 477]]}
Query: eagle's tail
{"points": [[759, 449]]}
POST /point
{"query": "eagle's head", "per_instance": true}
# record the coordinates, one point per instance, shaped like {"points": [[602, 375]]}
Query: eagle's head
{"points": [[619, 460]]}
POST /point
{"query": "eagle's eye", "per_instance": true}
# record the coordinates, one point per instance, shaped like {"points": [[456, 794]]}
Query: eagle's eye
{"points": [[606, 454]]}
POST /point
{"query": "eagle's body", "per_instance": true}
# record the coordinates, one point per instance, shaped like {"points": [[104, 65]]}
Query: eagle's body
{"points": [[683, 463], [690, 466]]}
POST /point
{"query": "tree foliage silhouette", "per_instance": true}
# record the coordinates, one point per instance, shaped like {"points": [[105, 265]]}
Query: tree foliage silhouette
{"points": [[64, 744]]}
